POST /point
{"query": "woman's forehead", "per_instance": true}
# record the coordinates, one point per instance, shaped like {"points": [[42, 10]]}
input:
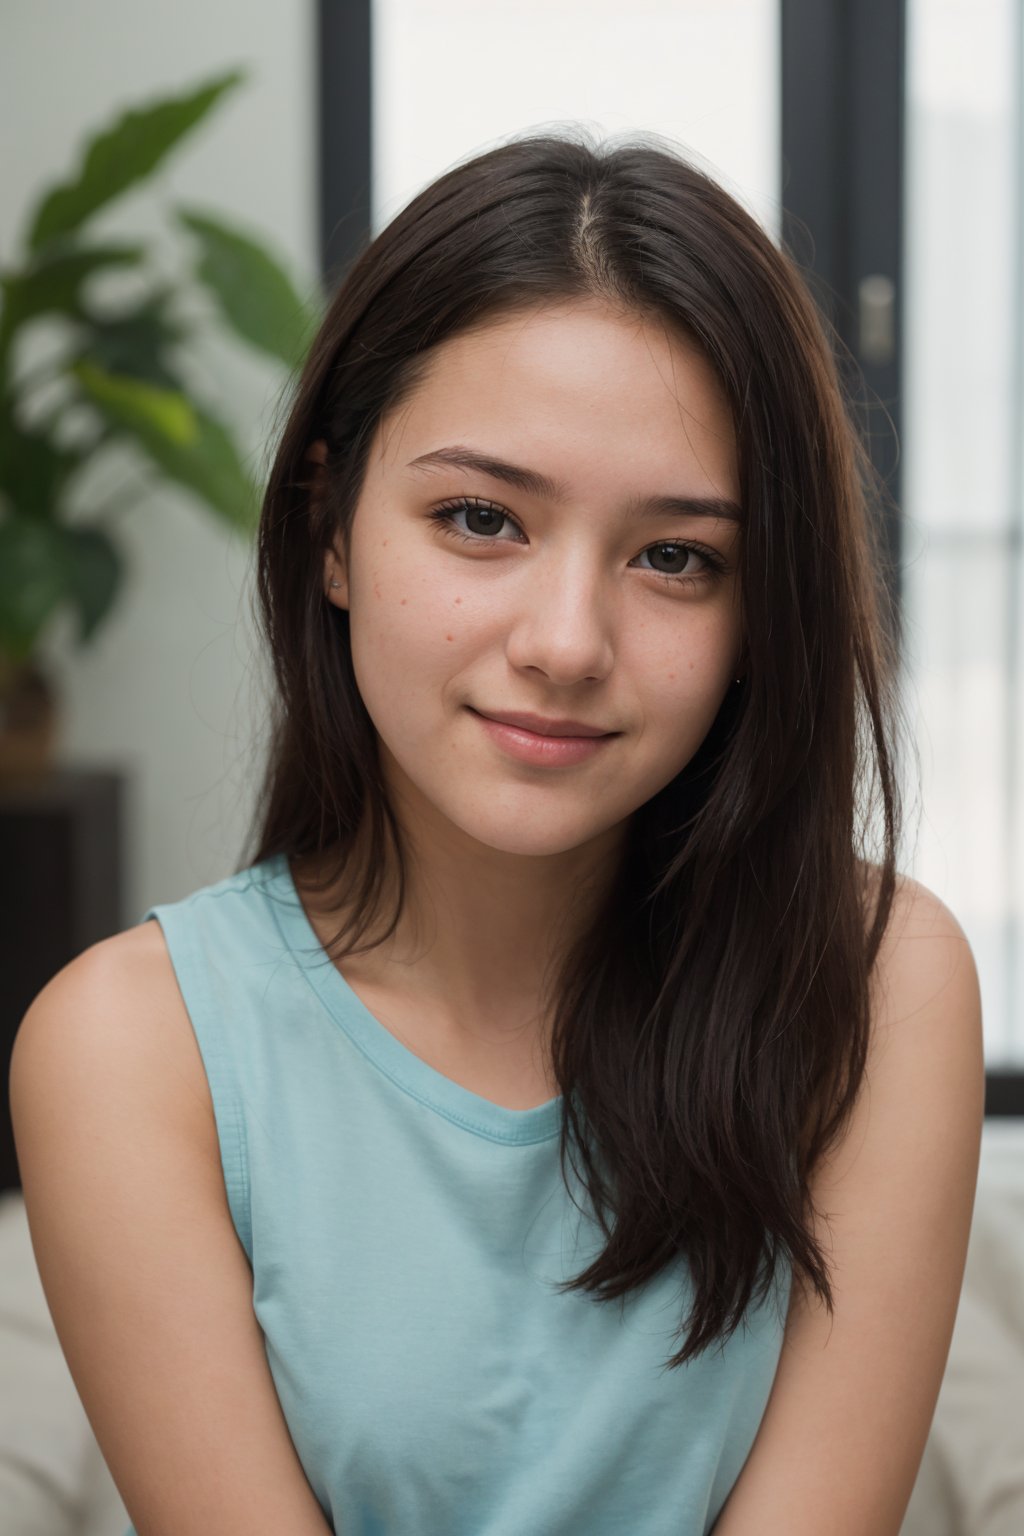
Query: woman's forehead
{"points": [[557, 391]]}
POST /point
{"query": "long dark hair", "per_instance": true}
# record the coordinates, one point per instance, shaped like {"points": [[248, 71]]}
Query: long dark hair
{"points": [[712, 1025]]}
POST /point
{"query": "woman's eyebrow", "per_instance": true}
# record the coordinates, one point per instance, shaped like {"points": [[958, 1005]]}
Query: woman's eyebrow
{"points": [[458, 456]]}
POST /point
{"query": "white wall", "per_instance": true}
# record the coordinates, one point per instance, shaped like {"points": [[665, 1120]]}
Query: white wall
{"points": [[170, 690]]}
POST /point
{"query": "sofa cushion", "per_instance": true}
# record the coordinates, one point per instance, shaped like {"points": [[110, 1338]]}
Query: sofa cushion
{"points": [[53, 1479]]}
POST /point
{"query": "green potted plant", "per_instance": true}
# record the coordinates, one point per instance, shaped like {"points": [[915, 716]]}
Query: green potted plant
{"points": [[123, 367]]}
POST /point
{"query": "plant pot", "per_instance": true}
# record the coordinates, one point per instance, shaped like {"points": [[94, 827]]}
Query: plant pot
{"points": [[28, 722]]}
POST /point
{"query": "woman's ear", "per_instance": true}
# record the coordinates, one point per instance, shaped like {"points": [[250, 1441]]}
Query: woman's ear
{"points": [[335, 575]]}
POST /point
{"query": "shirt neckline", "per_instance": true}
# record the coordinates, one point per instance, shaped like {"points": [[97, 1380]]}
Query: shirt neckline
{"points": [[471, 1111]]}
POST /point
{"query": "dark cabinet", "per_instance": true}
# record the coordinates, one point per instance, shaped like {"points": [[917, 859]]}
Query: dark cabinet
{"points": [[61, 889]]}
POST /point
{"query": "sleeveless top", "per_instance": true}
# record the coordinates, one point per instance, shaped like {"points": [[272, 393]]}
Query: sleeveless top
{"points": [[406, 1238]]}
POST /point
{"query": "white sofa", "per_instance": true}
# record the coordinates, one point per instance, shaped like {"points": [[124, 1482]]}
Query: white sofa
{"points": [[54, 1481], [971, 1480]]}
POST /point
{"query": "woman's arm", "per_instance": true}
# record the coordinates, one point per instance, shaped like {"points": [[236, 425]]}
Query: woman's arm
{"points": [[841, 1441], [149, 1288]]}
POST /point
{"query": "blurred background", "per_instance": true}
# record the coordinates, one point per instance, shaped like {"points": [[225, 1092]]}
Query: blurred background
{"points": [[880, 139]]}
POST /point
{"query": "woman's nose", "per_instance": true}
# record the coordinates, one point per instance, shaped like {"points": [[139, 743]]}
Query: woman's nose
{"points": [[563, 623]]}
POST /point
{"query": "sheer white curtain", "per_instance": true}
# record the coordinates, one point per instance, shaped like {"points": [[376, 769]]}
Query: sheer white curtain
{"points": [[963, 566]]}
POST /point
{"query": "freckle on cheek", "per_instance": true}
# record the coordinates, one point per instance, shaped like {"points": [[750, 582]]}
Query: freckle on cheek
{"points": [[449, 637], [404, 601], [458, 599]]}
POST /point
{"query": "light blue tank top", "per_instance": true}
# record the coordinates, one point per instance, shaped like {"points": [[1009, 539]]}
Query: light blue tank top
{"points": [[406, 1236]]}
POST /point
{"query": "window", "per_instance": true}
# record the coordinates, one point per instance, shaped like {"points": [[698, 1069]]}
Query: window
{"points": [[963, 562], [453, 77]]}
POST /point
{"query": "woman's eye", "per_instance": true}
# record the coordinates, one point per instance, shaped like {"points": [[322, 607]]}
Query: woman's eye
{"points": [[482, 519], [484, 522]]}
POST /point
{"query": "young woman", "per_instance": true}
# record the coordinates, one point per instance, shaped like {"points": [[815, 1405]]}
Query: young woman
{"points": [[559, 1124]]}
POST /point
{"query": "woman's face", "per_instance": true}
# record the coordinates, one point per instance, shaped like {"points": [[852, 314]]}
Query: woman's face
{"points": [[552, 590]]}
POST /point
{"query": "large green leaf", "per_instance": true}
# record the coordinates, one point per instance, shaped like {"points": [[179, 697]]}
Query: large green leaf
{"points": [[53, 281], [255, 293], [45, 564], [134, 341], [119, 156], [94, 571], [212, 467], [135, 406], [189, 445], [33, 578], [33, 470]]}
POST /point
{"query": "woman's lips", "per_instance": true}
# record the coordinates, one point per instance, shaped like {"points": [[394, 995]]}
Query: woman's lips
{"points": [[542, 751]]}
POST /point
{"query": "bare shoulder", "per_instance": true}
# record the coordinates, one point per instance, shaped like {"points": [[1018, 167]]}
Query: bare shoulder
{"points": [[925, 969], [148, 1284], [120, 1000], [915, 907]]}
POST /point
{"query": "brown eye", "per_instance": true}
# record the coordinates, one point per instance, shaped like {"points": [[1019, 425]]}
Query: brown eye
{"points": [[483, 519]]}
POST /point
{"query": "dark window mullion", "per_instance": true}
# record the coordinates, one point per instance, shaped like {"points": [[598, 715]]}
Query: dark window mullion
{"points": [[344, 77], [842, 192]]}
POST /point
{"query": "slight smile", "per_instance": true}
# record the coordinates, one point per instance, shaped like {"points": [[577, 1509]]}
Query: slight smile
{"points": [[544, 749]]}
